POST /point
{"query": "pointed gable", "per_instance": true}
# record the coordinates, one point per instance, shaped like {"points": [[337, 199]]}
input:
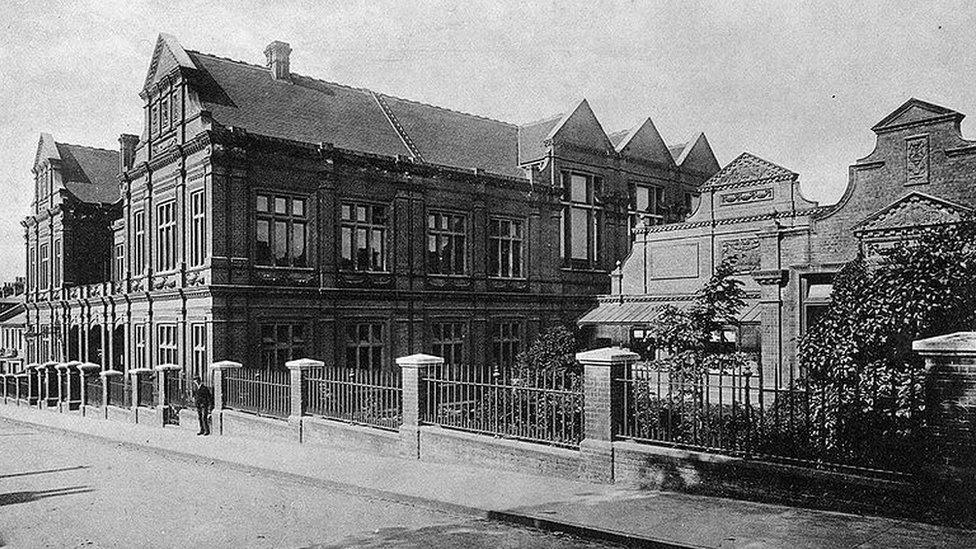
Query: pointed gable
{"points": [[914, 111], [644, 142], [913, 211], [747, 168], [47, 149], [167, 55], [698, 156], [581, 128]]}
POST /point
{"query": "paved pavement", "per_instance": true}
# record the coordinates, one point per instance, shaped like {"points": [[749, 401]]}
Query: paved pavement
{"points": [[638, 516], [58, 490]]}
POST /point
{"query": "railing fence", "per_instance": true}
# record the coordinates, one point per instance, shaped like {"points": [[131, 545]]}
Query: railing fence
{"points": [[261, 392], [93, 390], [538, 406], [355, 395]]}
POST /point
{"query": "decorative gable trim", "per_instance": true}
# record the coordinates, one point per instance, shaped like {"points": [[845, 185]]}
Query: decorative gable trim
{"points": [[745, 169], [914, 112], [166, 43], [912, 211]]}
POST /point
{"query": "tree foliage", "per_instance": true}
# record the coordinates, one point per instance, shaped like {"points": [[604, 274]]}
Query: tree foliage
{"points": [[554, 351], [865, 382]]}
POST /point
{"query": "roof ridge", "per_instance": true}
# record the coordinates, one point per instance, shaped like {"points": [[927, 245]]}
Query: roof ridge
{"points": [[86, 147], [368, 91], [541, 120]]}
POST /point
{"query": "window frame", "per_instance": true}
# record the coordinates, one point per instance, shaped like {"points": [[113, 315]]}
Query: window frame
{"points": [[436, 233], [451, 347], [167, 245], [56, 267], [138, 263], [290, 219], [655, 210], [198, 228], [139, 345], [353, 226], [43, 266], [167, 347], [592, 209], [511, 240], [355, 345], [274, 351], [506, 346], [198, 347]]}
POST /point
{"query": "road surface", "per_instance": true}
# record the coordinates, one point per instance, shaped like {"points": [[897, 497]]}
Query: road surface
{"points": [[60, 490]]}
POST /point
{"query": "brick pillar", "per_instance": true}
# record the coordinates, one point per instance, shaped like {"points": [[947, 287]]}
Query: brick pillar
{"points": [[414, 369], [71, 369], [950, 364], [217, 384], [603, 408], [32, 383], [22, 375], [297, 368], [105, 374], [63, 373], [84, 371]]}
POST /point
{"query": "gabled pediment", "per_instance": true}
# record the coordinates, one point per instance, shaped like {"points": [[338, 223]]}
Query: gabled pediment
{"points": [[581, 128], [912, 111], [47, 149], [644, 142], [745, 168], [698, 156], [913, 210], [167, 55]]}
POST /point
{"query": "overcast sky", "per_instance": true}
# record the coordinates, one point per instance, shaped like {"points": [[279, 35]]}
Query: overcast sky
{"points": [[797, 83]]}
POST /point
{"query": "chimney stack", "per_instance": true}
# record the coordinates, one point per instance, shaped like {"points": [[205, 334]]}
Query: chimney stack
{"points": [[277, 53], [127, 151]]}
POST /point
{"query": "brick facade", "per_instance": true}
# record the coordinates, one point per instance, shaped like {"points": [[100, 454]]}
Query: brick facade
{"points": [[788, 248], [224, 141]]}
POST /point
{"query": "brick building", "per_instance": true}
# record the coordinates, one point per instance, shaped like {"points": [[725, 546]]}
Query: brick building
{"points": [[262, 215], [921, 172]]}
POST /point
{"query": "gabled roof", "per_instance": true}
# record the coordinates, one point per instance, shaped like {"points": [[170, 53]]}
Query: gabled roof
{"points": [[914, 210], [581, 127], [315, 111], [90, 174], [167, 55], [531, 138], [698, 156], [644, 142], [747, 167], [46, 149], [914, 110]]}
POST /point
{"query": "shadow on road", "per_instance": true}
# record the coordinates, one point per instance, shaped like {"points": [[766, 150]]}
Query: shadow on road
{"points": [[45, 471], [11, 498]]}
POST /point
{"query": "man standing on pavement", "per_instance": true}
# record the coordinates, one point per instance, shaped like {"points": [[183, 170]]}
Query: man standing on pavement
{"points": [[203, 397]]}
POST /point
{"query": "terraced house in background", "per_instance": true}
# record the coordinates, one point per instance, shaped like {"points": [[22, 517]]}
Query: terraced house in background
{"points": [[262, 215]]}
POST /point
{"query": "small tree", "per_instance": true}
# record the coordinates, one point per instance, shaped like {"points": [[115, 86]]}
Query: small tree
{"points": [[554, 351], [865, 382]]}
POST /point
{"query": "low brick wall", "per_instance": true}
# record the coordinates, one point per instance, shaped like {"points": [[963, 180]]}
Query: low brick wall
{"points": [[439, 444], [148, 416], [324, 432], [239, 424], [119, 414], [93, 411], [652, 467]]}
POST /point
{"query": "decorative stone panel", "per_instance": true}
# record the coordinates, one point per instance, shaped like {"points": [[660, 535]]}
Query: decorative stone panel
{"points": [[743, 252], [917, 160], [747, 197]]}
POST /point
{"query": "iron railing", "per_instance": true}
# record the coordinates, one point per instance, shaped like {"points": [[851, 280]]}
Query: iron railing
{"points": [[543, 407], [93, 390], [736, 413], [262, 392], [354, 395], [119, 393], [176, 390], [24, 382], [146, 390]]}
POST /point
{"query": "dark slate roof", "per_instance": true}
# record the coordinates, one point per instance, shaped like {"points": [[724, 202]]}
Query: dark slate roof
{"points": [[90, 174], [677, 149], [313, 111], [531, 136], [617, 137]]}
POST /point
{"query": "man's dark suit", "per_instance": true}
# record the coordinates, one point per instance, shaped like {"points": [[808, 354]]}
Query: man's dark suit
{"points": [[203, 397]]}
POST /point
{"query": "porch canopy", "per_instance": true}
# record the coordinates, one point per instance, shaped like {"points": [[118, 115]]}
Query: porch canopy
{"points": [[644, 312]]}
